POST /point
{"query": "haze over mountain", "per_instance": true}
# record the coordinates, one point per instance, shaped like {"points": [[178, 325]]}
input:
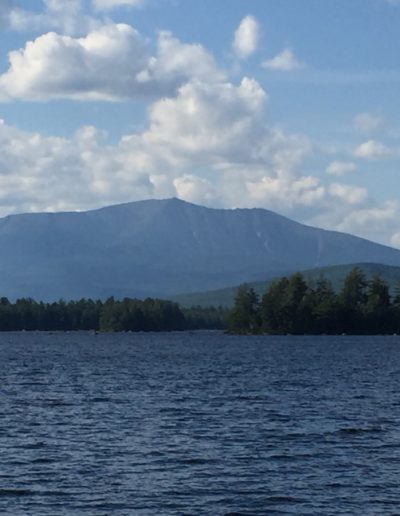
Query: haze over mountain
{"points": [[161, 248]]}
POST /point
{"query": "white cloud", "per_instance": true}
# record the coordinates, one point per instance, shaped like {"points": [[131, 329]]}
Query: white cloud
{"points": [[209, 121], [213, 126], [195, 189], [111, 63], [177, 62], [348, 193], [60, 15], [286, 61], [103, 65], [340, 168], [246, 38], [108, 5], [372, 150], [280, 192], [395, 240], [366, 122], [372, 222], [220, 127], [369, 219], [40, 173], [206, 140], [216, 127]]}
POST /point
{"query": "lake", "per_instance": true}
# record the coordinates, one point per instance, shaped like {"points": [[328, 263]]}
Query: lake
{"points": [[199, 423]]}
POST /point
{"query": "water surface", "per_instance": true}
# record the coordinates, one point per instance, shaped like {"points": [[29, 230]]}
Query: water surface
{"points": [[199, 423]]}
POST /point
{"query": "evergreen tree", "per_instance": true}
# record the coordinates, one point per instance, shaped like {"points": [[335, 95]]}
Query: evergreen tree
{"points": [[285, 306], [296, 308], [395, 310], [273, 316], [352, 300], [244, 317], [377, 308], [325, 308]]}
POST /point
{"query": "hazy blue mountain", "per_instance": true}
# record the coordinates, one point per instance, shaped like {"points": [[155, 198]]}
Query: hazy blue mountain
{"points": [[335, 274], [160, 248]]}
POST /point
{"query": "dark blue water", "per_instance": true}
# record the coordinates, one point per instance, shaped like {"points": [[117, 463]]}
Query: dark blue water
{"points": [[199, 424]]}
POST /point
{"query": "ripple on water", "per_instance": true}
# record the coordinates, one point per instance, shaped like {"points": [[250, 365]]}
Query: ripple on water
{"points": [[198, 424]]}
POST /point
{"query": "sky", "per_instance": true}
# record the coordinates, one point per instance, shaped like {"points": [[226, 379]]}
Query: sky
{"points": [[288, 105]]}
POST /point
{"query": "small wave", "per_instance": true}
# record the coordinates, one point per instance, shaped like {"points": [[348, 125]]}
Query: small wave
{"points": [[43, 460], [32, 446], [194, 462], [283, 499], [15, 492], [360, 430], [57, 403]]}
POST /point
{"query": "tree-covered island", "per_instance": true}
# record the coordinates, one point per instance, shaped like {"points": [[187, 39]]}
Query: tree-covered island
{"points": [[293, 306], [290, 305], [111, 315]]}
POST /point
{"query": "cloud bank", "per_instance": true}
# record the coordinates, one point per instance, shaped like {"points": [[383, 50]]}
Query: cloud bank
{"points": [[112, 62], [207, 138]]}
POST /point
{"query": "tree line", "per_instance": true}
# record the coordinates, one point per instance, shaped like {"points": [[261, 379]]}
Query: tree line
{"points": [[291, 305], [110, 315]]}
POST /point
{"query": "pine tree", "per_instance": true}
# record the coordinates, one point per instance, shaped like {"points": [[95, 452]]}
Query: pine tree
{"points": [[377, 306], [244, 317], [352, 299]]}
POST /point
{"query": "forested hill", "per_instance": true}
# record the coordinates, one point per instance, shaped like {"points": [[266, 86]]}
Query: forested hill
{"points": [[291, 305], [112, 315], [158, 248], [335, 275]]}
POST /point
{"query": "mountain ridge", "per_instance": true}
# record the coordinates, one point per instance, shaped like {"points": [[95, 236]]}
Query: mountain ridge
{"points": [[162, 248]]}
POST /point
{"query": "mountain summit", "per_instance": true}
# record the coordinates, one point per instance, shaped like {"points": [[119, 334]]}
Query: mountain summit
{"points": [[161, 248]]}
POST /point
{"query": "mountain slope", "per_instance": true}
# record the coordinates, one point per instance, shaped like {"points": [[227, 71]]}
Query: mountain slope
{"points": [[161, 248], [335, 274]]}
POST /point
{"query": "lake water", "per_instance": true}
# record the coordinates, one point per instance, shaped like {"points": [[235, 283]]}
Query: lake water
{"points": [[199, 424]]}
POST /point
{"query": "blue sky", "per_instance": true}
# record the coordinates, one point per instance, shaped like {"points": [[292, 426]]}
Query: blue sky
{"points": [[290, 105]]}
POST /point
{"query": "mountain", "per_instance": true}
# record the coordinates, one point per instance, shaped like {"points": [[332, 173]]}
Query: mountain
{"points": [[335, 274], [161, 248]]}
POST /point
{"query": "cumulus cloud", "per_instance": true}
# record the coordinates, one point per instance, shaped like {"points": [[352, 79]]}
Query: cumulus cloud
{"points": [[348, 193], [340, 168], [286, 61], [366, 122], [372, 149], [246, 38], [206, 140], [216, 127], [372, 222], [216, 122], [112, 62], [195, 189], [376, 221], [108, 5], [104, 65], [177, 62], [280, 192], [213, 126], [60, 15], [395, 240], [28, 171], [40, 173], [64, 16]]}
